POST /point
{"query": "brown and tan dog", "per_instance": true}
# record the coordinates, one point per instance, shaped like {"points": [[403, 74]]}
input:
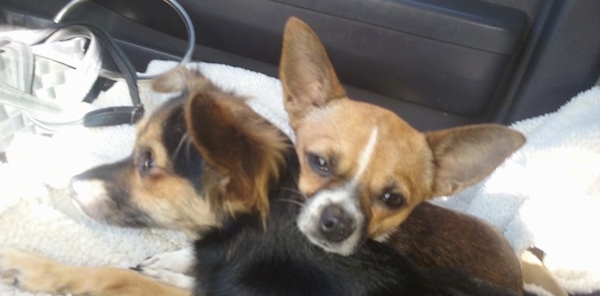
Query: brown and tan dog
{"points": [[368, 173]]}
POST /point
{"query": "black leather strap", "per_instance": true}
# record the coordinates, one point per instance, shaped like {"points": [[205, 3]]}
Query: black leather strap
{"points": [[114, 115]]}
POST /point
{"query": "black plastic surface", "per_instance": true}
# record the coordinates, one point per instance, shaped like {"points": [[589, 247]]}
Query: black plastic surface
{"points": [[469, 23], [564, 62], [410, 51]]}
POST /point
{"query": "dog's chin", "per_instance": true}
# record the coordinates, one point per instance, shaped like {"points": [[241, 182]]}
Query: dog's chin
{"points": [[104, 213]]}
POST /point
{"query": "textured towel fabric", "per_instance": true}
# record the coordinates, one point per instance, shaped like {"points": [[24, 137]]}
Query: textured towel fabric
{"points": [[547, 194]]}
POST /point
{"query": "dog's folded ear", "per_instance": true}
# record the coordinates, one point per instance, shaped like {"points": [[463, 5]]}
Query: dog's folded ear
{"points": [[465, 155], [306, 74], [176, 80], [245, 150]]}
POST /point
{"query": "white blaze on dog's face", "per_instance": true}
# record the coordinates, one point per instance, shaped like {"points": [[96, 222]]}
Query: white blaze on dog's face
{"points": [[337, 210]]}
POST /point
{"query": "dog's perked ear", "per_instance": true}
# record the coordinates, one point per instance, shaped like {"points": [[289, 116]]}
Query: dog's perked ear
{"points": [[241, 146], [306, 74], [465, 155]]}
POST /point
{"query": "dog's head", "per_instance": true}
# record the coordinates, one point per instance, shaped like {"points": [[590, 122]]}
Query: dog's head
{"points": [[363, 167], [198, 159]]}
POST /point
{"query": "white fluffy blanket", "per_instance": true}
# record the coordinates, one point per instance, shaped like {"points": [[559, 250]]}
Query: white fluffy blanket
{"points": [[547, 194]]}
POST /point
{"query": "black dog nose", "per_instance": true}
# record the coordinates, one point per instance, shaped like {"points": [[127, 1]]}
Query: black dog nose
{"points": [[336, 224]]}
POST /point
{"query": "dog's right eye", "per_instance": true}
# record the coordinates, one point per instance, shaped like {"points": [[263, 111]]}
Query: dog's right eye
{"points": [[393, 200], [319, 164]]}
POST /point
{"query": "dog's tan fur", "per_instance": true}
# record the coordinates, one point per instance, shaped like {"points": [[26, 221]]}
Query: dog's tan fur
{"points": [[34, 273], [419, 166], [243, 155]]}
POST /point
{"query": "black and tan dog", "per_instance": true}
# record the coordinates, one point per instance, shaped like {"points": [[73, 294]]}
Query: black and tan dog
{"points": [[206, 163]]}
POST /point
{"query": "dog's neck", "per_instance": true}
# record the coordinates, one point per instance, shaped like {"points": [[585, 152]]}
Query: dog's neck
{"points": [[216, 245]]}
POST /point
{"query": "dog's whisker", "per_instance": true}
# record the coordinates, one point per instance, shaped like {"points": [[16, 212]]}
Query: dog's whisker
{"points": [[296, 192], [184, 138], [289, 201], [188, 146]]}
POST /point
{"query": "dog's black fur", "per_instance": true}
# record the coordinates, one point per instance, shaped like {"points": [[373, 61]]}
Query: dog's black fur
{"points": [[245, 259]]}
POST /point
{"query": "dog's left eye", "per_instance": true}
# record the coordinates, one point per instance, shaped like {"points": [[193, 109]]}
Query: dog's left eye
{"points": [[393, 200], [147, 162], [319, 164]]}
